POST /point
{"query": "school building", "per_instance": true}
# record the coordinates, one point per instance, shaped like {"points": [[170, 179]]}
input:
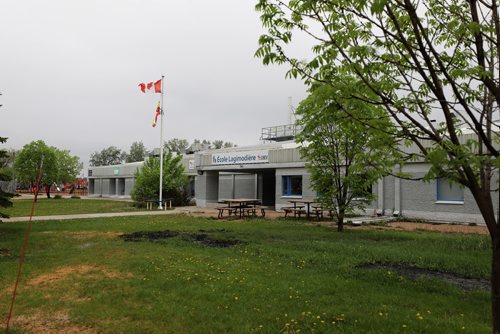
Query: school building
{"points": [[275, 173]]}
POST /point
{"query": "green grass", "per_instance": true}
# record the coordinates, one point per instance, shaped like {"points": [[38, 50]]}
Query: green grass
{"points": [[286, 277], [66, 206]]}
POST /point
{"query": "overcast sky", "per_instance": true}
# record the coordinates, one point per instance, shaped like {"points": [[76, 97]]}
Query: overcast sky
{"points": [[69, 73]]}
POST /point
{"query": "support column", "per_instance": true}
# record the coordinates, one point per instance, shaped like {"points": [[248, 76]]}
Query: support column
{"points": [[256, 186], [397, 193], [233, 185], [380, 197]]}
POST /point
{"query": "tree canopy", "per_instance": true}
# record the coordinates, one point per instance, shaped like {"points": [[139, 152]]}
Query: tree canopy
{"points": [[137, 152], [176, 145], [108, 156], [345, 158], [57, 166], [180, 146]]}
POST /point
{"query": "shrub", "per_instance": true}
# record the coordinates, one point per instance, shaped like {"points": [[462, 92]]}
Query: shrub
{"points": [[147, 183]]}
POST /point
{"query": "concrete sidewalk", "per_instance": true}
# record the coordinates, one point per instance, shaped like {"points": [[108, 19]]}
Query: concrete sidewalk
{"points": [[179, 210]]}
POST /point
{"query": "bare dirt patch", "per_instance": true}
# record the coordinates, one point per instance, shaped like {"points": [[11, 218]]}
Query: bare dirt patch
{"points": [[412, 226], [55, 323], [444, 228], [414, 273], [204, 237], [64, 272]]}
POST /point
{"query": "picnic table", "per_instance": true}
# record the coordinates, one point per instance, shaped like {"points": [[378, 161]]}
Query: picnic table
{"points": [[149, 203], [238, 205], [306, 201]]}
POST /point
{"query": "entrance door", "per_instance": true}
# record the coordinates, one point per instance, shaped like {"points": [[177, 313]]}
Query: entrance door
{"points": [[269, 189]]}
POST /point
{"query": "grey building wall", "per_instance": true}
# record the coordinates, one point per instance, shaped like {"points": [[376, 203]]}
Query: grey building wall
{"points": [[225, 186], [105, 187], [188, 161], [113, 181], [418, 199], [245, 186], [207, 189], [389, 195], [235, 185], [129, 185], [307, 191]]}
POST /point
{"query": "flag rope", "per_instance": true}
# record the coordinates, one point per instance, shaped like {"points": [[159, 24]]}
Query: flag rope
{"points": [[21, 260]]}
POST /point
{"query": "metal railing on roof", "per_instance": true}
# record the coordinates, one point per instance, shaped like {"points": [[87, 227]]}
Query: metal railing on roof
{"points": [[280, 132]]}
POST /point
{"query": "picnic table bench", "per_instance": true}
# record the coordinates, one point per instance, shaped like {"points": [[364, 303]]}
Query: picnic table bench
{"points": [[296, 210], [320, 211], [251, 211], [150, 202], [243, 207], [230, 210]]}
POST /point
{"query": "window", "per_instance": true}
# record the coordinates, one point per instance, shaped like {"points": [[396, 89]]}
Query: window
{"points": [[449, 191], [292, 185]]}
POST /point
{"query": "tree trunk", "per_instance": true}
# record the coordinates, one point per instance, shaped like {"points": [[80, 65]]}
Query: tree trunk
{"points": [[340, 222], [47, 189], [485, 205], [495, 282]]}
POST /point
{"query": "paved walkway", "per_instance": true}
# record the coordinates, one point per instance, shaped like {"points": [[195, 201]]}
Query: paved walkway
{"points": [[179, 210]]}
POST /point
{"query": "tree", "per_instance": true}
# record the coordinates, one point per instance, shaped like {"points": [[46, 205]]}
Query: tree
{"points": [[68, 166], [57, 166], [137, 152], [4, 195], [176, 145], [216, 144], [174, 183], [7, 162], [344, 157], [108, 156], [422, 61]]}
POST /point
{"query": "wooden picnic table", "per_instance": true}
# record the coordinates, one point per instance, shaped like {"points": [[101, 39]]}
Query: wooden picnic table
{"points": [[306, 201], [241, 203]]}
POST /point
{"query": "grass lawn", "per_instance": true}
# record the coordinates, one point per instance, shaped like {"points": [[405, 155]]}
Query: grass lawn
{"points": [[282, 277], [66, 206]]}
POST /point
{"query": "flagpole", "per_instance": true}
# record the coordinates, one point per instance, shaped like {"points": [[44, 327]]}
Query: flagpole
{"points": [[160, 202]]}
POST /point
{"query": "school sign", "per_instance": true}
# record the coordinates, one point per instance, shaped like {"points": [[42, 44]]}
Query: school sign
{"points": [[246, 157]]}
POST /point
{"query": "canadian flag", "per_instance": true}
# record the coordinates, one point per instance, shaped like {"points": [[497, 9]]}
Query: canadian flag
{"points": [[148, 87]]}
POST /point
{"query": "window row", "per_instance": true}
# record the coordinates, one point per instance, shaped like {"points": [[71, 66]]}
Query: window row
{"points": [[446, 190]]}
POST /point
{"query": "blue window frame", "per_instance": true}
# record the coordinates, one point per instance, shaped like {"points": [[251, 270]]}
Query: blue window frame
{"points": [[292, 185], [447, 190]]}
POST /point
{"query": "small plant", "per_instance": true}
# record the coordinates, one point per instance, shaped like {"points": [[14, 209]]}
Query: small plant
{"points": [[57, 196], [75, 197]]}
